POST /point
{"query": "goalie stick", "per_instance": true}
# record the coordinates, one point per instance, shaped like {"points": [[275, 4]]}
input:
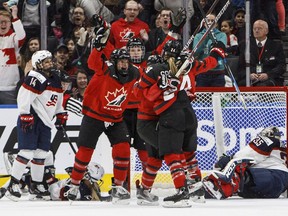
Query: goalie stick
{"points": [[190, 58], [226, 66]]}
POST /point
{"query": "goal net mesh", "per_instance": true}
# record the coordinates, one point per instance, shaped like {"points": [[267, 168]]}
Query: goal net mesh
{"points": [[224, 126]]}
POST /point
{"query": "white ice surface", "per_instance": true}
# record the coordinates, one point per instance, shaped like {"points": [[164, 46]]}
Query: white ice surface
{"points": [[230, 207]]}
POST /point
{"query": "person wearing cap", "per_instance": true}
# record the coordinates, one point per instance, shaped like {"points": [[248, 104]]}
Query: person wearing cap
{"points": [[61, 56]]}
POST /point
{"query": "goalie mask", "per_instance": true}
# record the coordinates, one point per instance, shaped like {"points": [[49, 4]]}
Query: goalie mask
{"points": [[95, 172], [136, 49], [271, 132]]}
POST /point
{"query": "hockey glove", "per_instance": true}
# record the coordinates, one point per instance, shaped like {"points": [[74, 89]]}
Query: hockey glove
{"points": [[61, 119], [101, 38], [26, 122], [178, 20], [166, 81], [218, 50], [223, 161]]}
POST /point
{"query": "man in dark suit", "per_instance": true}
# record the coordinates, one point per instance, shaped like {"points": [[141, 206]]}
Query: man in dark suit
{"points": [[267, 59]]}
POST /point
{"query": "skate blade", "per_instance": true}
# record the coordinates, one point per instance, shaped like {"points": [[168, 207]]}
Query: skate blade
{"points": [[198, 199], [117, 201], [180, 204], [33, 197], [11, 197], [142, 202]]}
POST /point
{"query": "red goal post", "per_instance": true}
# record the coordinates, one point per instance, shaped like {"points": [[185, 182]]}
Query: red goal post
{"points": [[224, 126]]}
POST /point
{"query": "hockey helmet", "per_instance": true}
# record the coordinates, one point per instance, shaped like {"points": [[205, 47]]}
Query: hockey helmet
{"points": [[136, 55], [39, 56], [120, 54], [154, 59], [271, 132], [172, 48], [95, 171]]}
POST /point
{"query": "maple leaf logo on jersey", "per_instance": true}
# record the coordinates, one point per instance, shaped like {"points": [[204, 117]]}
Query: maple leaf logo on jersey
{"points": [[116, 98], [127, 34], [3, 58]]}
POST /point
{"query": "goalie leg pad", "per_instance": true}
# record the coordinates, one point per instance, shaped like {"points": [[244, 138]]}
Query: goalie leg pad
{"points": [[220, 189]]}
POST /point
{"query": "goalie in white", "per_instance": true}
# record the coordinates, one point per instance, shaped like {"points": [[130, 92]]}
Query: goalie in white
{"points": [[259, 170]]}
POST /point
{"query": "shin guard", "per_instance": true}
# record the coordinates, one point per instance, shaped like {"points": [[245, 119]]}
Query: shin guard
{"points": [[82, 159], [121, 159]]}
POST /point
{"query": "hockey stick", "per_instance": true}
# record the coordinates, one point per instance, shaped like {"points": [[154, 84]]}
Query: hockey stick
{"points": [[190, 58], [190, 40], [226, 66], [68, 139], [5, 176]]}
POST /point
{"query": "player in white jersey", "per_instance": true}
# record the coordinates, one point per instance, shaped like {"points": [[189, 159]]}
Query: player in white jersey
{"points": [[259, 170], [39, 101]]}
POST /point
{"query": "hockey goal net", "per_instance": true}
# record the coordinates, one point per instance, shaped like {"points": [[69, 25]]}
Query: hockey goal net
{"points": [[224, 126]]}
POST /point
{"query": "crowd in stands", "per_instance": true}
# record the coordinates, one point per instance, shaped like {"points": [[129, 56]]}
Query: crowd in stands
{"points": [[70, 35]]}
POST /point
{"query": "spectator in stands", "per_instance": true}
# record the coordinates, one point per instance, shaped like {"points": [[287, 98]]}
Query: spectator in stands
{"points": [[239, 24], [95, 7], [174, 6], [216, 76], [33, 45], [266, 10], [81, 83], [146, 10], [61, 59], [77, 21], [196, 19], [157, 35], [11, 41], [232, 42], [129, 27], [267, 59], [281, 16]]}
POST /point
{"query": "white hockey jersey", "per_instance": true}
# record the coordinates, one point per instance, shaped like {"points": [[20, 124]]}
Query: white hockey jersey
{"points": [[267, 152], [10, 44], [41, 95]]}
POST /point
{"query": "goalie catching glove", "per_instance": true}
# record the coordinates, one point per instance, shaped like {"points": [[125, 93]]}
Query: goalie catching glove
{"points": [[61, 119], [102, 32], [218, 50], [26, 122]]}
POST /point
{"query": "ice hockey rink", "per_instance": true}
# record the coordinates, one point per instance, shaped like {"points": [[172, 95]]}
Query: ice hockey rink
{"points": [[233, 207]]}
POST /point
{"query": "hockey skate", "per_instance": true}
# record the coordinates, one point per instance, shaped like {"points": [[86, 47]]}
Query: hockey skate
{"points": [[179, 200], [13, 191], [71, 194], [2, 192], [120, 195], [38, 192], [196, 191], [145, 197]]}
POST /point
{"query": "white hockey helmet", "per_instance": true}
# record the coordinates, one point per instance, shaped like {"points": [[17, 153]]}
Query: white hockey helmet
{"points": [[39, 56], [95, 171]]}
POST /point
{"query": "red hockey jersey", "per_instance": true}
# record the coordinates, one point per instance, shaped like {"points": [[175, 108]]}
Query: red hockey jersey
{"points": [[108, 93]]}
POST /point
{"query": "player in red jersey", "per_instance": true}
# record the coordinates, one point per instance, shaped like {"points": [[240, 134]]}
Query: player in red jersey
{"points": [[177, 120], [105, 100]]}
